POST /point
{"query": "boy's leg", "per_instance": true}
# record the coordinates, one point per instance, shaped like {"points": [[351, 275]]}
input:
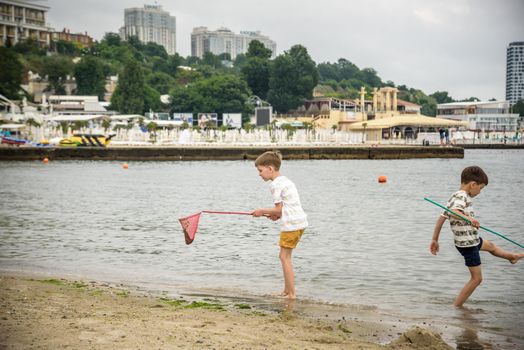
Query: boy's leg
{"points": [[287, 269], [474, 281], [499, 252]]}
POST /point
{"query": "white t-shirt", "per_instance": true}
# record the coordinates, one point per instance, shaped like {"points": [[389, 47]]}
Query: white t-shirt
{"points": [[284, 191]]}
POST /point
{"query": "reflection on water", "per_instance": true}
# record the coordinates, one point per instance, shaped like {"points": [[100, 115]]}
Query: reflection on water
{"points": [[468, 338], [367, 243]]}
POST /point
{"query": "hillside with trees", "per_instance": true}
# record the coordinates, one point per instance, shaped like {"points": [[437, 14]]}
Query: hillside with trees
{"points": [[211, 84]]}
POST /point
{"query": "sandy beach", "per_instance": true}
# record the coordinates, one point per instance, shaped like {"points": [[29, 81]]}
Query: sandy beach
{"points": [[50, 313]]}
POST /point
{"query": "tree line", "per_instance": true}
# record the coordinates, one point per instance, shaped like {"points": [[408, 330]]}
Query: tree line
{"points": [[214, 83]]}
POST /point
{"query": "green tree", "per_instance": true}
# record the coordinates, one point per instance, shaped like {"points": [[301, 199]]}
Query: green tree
{"points": [[112, 39], [328, 71], [90, 78], [57, 68], [519, 108], [11, 73], [442, 97], [154, 49], [219, 94], [292, 79], [370, 77], [65, 48], [225, 56], [151, 99], [29, 47], [256, 73], [257, 49], [429, 109], [211, 60], [161, 82], [470, 99], [257, 68], [129, 94], [240, 61], [135, 42]]}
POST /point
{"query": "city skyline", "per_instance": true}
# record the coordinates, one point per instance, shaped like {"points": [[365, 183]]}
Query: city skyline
{"points": [[456, 46]]}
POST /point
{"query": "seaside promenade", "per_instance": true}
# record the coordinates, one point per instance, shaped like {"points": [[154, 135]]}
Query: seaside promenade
{"points": [[228, 152]]}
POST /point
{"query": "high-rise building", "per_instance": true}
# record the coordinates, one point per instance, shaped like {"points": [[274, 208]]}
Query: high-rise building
{"points": [[21, 20], [515, 72], [224, 40], [151, 24]]}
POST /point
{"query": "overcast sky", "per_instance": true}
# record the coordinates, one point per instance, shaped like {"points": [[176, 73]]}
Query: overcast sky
{"points": [[454, 45]]}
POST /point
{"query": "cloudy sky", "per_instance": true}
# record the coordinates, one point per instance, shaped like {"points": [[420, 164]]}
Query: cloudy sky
{"points": [[454, 45]]}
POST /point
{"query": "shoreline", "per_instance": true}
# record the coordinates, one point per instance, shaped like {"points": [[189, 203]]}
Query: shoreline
{"points": [[41, 311], [227, 152]]}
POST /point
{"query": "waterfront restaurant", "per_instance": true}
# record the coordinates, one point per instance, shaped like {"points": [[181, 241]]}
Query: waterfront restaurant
{"points": [[403, 126], [481, 116]]}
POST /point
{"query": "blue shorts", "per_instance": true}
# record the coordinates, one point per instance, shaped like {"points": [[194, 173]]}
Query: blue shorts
{"points": [[471, 254]]}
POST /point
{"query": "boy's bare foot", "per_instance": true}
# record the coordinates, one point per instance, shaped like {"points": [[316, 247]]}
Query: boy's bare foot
{"points": [[516, 258], [279, 295], [291, 296]]}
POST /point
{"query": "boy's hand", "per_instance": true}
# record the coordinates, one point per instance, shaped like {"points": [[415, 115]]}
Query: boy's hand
{"points": [[474, 222], [274, 217], [434, 247], [258, 213]]}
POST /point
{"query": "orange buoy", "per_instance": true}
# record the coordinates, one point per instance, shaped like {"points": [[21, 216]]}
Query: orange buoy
{"points": [[45, 160], [382, 179], [125, 165]]}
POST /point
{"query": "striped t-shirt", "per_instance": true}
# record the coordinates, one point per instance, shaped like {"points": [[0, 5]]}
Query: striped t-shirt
{"points": [[284, 191], [464, 234]]}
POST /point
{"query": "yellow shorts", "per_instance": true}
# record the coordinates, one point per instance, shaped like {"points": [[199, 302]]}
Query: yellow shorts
{"points": [[289, 239]]}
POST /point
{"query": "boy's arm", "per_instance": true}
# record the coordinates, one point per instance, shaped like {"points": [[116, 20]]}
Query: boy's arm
{"points": [[276, 211], [474, 222], [434, 247]]}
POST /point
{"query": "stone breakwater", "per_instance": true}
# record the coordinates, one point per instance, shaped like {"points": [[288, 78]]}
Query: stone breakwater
{"points": [[226, 153]]}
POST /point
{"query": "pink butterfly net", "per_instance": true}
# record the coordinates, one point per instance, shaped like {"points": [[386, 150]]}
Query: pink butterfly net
{"points": [[190, 223]]}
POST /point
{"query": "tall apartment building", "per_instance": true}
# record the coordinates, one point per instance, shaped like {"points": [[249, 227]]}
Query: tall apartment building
{"points": [[151, 24], [21, 20], [224, 40], [515, 72]]}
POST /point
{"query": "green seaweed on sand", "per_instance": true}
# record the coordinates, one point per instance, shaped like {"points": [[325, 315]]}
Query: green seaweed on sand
{"points": [[123, 293], [344, 329], [173, 302], [79, 285], [204, 305], [52, 281]]}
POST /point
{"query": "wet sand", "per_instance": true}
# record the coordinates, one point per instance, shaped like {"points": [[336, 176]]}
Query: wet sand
{"points": [[49, 313]]}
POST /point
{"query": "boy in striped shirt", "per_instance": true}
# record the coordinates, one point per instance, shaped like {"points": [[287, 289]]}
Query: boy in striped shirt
{"points": [[288, 209], [467, 241]]}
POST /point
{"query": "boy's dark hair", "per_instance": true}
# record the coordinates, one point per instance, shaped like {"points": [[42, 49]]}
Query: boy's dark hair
{"points": [[270, 158], [474, 173]]}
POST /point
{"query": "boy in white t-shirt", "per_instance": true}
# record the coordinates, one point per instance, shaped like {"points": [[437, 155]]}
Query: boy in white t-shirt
{"points": [[288, 209]]}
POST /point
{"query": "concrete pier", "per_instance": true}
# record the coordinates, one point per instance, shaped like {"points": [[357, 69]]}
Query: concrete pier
{"points": [[188, 153]]}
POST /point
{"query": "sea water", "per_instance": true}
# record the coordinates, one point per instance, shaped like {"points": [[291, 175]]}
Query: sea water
{"points": [[367, 244]]}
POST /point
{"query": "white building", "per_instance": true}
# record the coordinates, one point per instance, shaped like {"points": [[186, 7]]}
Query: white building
{"points": [[482, 116], [224, 40], [515, 72], [21, 20], [150, 24], [76, 105]]}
